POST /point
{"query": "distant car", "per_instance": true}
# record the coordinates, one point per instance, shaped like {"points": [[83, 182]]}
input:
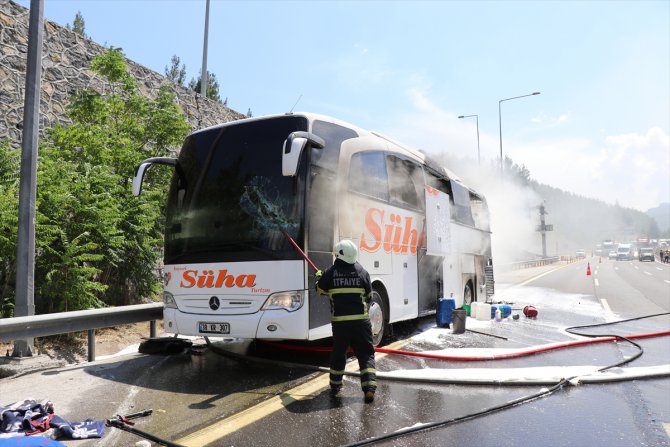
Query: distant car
{"points": [[612, 254], [624, 252], [646, 254], [580, 254]]}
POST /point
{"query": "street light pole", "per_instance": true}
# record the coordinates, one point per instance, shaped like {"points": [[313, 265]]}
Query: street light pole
{"points": [[204, 79], [479, 157], [500, 124], [25, 245]]}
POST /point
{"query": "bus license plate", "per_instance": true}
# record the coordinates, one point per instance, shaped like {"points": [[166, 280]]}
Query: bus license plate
{"points": [[213, 328]]}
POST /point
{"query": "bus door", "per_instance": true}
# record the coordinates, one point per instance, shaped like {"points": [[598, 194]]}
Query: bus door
{"points": [[322, 210], [406, 196]]}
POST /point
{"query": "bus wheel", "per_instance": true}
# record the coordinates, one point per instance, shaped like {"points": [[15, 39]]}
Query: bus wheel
{"points": [[467, 293], [377, 318]]}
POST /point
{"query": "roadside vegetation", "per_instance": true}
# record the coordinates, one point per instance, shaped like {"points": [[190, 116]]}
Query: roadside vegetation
{"points": [[96, 244]]}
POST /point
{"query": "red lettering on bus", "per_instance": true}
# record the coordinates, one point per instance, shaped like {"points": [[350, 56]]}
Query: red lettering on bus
{"points": [[207, 279], [374, 228], [396, 236], [410, 238]]}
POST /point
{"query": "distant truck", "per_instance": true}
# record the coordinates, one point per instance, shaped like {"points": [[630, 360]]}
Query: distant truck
{"points": [[646, 254], [624, 252]]}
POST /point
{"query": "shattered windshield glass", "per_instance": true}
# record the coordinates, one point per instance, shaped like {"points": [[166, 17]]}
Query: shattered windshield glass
{"points": [[236, 205]]}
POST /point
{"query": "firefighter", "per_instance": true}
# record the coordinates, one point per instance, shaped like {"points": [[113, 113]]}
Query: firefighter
{"points": [[348, 286]]}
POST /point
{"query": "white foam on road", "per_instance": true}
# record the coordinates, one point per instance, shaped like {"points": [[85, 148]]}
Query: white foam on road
{"points": [[540, 375]]}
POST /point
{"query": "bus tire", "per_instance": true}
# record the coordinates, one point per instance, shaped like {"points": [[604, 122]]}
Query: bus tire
{"points": [[468, 293], [378, 317]]}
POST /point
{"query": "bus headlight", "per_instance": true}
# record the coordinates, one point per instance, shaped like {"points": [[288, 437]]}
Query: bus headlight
{"points": [[168, 301], [291, 300]]}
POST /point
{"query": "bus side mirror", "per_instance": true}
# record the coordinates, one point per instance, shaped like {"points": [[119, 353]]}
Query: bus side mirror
{"points": [[142, 169], [293, 147]]}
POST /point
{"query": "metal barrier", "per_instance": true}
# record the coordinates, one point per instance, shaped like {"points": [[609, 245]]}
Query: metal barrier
{"points": [[530, 264], [80, 320]]}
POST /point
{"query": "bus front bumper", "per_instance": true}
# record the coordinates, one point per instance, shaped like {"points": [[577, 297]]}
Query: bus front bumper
{"points": [[268, 324]]}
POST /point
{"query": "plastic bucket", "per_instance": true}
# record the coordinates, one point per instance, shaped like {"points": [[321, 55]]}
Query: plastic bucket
{"points": [[505, 310], [474, 309], [484, 312], [459, 317], [445, 307]]}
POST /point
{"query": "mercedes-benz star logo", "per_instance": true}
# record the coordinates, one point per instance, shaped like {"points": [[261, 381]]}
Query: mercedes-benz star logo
{"points": [[214, 303]]}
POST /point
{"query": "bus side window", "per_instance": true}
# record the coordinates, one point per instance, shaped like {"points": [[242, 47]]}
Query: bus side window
{"points": [[462, 210], [480, 212], [406, 184], [437, 182], [367, 175]]}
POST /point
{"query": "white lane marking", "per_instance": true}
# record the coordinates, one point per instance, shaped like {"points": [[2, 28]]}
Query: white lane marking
{"points": [[658, 268], [605, 305], [647, 273], [616, 268], [666, 281], [597, 283]]}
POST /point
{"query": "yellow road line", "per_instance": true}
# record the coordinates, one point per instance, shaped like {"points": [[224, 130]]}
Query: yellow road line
{"points": [[240, 420]]}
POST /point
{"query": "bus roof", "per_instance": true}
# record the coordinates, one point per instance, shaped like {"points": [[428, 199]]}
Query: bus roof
{"points": [[417, 153]]}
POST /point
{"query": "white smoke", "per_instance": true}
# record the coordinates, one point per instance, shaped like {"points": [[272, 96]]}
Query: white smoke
{"points": [[513, 209]]}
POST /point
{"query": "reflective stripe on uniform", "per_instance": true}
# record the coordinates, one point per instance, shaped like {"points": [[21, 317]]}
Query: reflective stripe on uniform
{"points": [[368, 371], [347, 290]]}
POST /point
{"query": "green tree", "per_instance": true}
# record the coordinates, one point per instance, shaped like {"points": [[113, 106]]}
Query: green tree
{"points": [[9, 208], [96, 243], [212, 86], [79, 26], [176, 73]]}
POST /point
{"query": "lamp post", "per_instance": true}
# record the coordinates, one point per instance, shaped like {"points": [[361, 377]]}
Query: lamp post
{"points": [[479, 157], [500, 124], [204, 78]]}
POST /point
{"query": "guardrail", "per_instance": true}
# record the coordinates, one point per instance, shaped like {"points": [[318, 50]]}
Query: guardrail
{"points": [[530, 264], [81, 320]]}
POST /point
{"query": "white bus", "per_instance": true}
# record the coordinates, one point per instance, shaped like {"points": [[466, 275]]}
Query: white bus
{"points": [[255, 205]]}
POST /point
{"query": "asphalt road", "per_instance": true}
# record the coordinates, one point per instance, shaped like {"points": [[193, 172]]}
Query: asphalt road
{"points": [[206, 398]]}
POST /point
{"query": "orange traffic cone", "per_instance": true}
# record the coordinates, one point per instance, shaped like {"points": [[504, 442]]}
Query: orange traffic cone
{"points": [[588, 269]]}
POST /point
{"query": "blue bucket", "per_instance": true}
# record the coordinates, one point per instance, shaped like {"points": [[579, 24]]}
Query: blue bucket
{"points": [[445, 306], [505, 310]]}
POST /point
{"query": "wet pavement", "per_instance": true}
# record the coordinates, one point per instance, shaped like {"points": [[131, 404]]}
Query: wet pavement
{"points": [[615, 414], [206, 398]]}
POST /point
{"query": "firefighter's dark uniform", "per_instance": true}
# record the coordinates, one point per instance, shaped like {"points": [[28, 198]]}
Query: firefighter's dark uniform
{"points": [[348, 287]]}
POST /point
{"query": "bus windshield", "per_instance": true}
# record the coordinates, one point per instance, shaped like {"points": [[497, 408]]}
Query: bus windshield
{"points": [[230, 201]]}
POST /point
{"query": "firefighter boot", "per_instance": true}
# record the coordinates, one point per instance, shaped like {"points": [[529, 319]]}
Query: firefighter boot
{"points": [[369, 396]]}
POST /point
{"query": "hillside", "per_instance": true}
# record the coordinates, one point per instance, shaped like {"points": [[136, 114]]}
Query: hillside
{"points": [[661, 214], [584, 222]]}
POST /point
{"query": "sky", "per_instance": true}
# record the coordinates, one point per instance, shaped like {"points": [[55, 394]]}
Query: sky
{"points": [[599, 127]]}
